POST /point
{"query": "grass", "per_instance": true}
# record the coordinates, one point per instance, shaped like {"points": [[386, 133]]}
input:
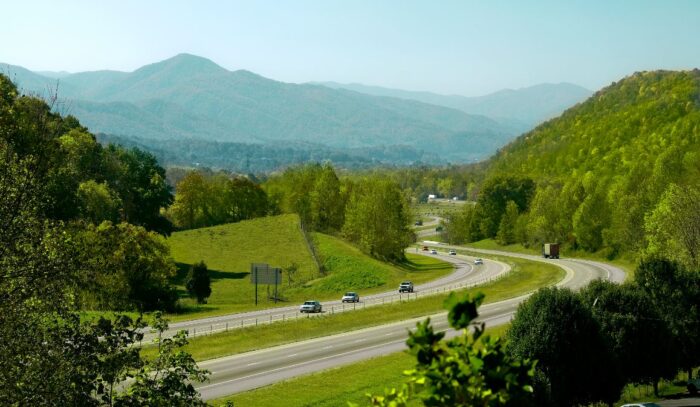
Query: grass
{"points": [[337, 386], [526, 276], [626, 264], [229, 249]]}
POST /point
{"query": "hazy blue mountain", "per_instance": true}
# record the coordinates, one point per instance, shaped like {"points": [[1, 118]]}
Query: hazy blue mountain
{"points": [[189, 97], [523, 108]]}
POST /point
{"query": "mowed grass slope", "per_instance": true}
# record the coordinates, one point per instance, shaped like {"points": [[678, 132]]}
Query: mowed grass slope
{"points": [[229, 249]]}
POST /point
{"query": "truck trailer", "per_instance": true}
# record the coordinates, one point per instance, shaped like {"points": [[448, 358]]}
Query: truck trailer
{"points": [[550, 250]]}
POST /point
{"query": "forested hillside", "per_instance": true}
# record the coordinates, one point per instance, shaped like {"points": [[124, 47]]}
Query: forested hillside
{"points": [[606, 166]]}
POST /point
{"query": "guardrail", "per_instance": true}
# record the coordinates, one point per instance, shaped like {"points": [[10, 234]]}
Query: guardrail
{"points": [[273, 317]]}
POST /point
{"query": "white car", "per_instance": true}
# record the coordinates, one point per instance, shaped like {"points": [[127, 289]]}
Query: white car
{"points": [[433, 251], [351, 297], [478, 262], [453, 252], [311, 306]]}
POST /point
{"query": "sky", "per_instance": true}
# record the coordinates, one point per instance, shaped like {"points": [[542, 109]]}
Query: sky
{"points": [[452, 47]]}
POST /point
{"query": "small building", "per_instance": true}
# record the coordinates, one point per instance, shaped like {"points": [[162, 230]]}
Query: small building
{"points": [[431, 196]]}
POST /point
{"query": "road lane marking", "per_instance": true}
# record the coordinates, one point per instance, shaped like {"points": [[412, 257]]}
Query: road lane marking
{"points": [[300, 364]]}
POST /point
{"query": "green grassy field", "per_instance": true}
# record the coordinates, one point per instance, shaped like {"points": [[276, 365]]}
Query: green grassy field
{"points": [[335, 387], [229, 249], [525, 277]]}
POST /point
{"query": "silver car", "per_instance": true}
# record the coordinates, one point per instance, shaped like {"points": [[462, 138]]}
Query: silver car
{"points": [[311, 306], [351, 297]]}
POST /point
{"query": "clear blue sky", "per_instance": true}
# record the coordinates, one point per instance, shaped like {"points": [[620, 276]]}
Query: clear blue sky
{"points": [[461, 47]]}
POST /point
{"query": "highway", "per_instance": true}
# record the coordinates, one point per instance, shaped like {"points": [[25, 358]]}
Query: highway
{"points": [[465, 274], [250, 370]]}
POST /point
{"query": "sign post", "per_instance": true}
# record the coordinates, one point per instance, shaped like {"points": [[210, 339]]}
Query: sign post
{"points": [[264, 274]]}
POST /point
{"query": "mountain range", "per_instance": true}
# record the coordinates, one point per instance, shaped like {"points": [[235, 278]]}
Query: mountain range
{"points": [[191, 98]]}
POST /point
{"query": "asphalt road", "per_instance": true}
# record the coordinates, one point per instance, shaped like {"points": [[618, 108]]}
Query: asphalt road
{"points": [[465, 274], [251, 370]]}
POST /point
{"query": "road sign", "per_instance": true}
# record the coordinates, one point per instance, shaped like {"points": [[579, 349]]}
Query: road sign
{"points": [[261, 273]]}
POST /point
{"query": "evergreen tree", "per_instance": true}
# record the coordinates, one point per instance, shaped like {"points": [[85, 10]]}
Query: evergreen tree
{"points": [[198, 282]]}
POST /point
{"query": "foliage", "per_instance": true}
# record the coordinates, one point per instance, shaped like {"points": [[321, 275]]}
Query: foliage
{"points": [[50, 357], [604, 165], [673, 227], [203, 200], [675, 293], [507, 226], [167, 379], [556, 328], [82, 180], [124, 267], [377, 219], [457, 372], [495, 194], [640, 339], [198, 282]]}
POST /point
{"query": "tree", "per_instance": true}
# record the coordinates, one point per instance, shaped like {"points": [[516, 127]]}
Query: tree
{"points": [[124, 267], [327, 203], [467, 370], [556, 328], [167, 379], [640, 339], [97, 202], [494, 196], [140, 184], [506, 229], [377, 219], [673, 228], [198, 282], [675, 293]]}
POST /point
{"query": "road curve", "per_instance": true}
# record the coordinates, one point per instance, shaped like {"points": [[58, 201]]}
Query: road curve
{"points": [[465, 274], [251, 370]]}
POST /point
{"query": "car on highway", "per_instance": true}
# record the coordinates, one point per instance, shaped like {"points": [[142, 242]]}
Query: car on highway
{"points": [[453, 252], [478, 262], [693, 386], [419, 223], [406, 287], [425, 248], [311, 306], [351, 297], [433, 251]]}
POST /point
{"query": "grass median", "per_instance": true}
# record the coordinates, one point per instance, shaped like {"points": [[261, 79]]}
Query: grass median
{"points": [[337, 386], [526, 276]]}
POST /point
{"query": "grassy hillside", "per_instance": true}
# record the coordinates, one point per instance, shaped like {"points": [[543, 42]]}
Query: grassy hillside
{"points": [[229, 249]]}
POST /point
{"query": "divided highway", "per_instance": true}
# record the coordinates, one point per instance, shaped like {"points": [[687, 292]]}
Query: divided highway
{"points": [[465, 274], [250, 370]]}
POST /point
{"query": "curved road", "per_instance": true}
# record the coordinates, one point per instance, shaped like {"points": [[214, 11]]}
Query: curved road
{"points": [[250, 370], [465, 274]]}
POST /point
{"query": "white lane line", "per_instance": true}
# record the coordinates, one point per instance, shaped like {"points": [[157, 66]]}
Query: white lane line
{"points": [[328, 347], [292, 355], [301, 364], [252, 364]]}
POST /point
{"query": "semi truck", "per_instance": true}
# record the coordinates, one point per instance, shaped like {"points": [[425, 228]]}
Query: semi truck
{"points": [[550, 250]]}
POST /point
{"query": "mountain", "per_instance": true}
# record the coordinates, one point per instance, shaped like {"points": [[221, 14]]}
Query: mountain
{"points": [[604, 165], [522, 108], [189, 97]]}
